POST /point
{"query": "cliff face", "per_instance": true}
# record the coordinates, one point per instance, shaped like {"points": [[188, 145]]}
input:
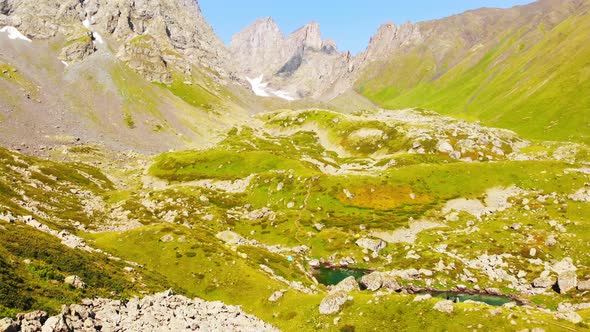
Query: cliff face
{"points": [[173, 30]]}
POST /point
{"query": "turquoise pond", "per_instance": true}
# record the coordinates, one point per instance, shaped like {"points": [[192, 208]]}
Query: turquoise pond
{"points": [[331, 276], [493, 300]]}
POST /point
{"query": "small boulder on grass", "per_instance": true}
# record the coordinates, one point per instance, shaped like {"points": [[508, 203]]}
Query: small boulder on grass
{"points": [[331, 304], [445, 306], [584, 285], [75, 281], [372, 281], [347, 285], [567, 281]]}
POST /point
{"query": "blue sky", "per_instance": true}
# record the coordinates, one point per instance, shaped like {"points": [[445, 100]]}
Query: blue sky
{"points": [[350, 22]]}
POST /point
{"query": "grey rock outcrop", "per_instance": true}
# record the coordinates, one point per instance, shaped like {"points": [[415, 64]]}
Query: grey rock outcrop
{"points": [[371, 244], [176, 32], [331, 304], [75, 281], [77, 49], [378, 280], [391, 37], [584, 285], [144, 55], [231, 238], [445, 306], [372, 281], [347, 285], [543, 282], [567, 281], [8, 325], [160, 312]]}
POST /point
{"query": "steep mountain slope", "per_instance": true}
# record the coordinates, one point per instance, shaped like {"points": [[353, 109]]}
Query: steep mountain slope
{"points": [[524, 68], [148, 75], [301, 65]]}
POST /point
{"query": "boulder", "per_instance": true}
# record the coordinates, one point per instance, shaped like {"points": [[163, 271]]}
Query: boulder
{"points": [[543, 282], [423, 297], [371, 244], [167, 238], [32, 321], [455, 155], [570, 316], [584, 285], [55, 324], [567, 281], [75, 281], [444, 147], [314, 263], [331, 304], [391, 283], [347, 285], [231, 238], [372, 281], [8, 325], [550, 241], [277, 295], [566, 264], [445, 306]]}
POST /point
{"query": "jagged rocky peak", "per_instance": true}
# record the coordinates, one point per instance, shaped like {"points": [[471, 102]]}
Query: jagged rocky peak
{"points": [[390, 37], [330, 47], [257, 46], [299, 65], [309, 37]]}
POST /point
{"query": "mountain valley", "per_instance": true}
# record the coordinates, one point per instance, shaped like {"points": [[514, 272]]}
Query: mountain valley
{"points": [[153, 178]]}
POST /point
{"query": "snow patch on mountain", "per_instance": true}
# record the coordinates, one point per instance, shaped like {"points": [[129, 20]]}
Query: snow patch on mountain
{"points": [[14, 34], [261, 89]]}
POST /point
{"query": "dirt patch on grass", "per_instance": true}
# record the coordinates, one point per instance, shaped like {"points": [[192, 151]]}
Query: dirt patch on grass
{"points": [[381, 197]]}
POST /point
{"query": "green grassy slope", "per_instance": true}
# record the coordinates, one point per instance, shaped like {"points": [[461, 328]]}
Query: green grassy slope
{"points": [[533, 78]]}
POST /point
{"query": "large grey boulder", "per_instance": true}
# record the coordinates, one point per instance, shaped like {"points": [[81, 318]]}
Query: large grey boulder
{"points": [[391, 283], [584, 285], [373, 245], [570, 316], [543, 282], [347, 285], [445, 306], [567, 281], [444, 147], [31, 321], [331, 304], [8, 325], [372, 281], [75, 281], [231, 238]]}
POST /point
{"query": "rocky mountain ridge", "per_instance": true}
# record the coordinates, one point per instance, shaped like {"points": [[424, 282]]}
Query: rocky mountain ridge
{"points": [[302, 64], [164, 35]]}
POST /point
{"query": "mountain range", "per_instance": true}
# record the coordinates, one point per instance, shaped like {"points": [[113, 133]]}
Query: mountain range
{"points": [[466, 65], [437, 180]]}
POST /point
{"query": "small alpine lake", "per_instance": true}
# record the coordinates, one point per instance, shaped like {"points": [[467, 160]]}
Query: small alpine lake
{"points": [[329, 276], [457, 297]]}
